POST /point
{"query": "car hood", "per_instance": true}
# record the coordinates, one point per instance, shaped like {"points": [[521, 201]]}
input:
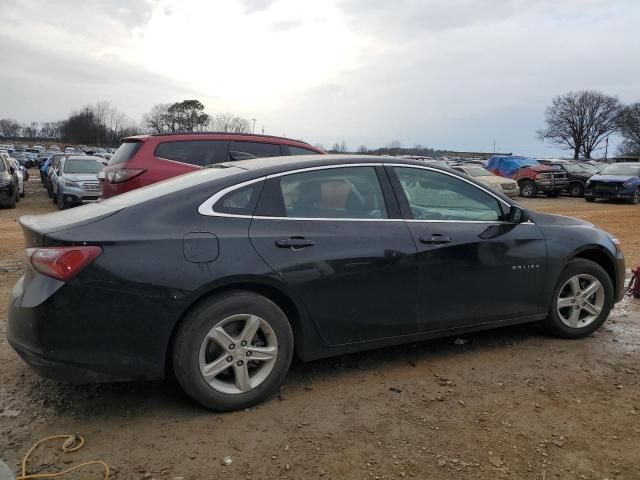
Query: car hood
{"points": [[613, 178], [494, 180], [80, 177], [546, 219]]}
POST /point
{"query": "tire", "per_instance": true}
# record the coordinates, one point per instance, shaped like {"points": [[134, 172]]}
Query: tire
{"points": [[559, 322], [23, 194], [590, 199], [528, 189], [58, 200], [635, 198], [12, 203], [194, 349], [576, 190]]}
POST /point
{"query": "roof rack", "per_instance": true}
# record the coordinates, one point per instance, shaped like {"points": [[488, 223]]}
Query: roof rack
{"points": [[227, 133]]}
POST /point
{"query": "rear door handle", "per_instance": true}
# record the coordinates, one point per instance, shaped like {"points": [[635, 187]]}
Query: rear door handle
{"points": [[294, 243], [435, 239]]}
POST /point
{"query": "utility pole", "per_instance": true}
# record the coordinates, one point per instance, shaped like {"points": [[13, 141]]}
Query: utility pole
{"points": [[253, 130], [262, 129], [606, 148], [494, 146]]}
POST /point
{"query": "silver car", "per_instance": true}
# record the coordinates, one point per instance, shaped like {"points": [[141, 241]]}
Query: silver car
{"points": [[75, 181]]}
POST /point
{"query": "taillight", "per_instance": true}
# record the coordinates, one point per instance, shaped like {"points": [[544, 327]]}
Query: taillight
{"points": [[123, 174], [62, 263]]}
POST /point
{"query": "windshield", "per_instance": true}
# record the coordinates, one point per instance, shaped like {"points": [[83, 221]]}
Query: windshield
{"points": [[478, 172], [77, 165], [626, 170]]}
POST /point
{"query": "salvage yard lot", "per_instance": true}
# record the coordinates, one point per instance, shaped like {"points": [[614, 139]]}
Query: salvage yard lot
{"points": [[511, 403]]}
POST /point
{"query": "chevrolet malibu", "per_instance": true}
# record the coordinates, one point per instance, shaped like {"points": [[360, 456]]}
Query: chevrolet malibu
{"points": [[220, 276]]}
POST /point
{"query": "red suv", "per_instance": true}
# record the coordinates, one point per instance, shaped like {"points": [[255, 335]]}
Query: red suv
{"points": [[146, 159]]}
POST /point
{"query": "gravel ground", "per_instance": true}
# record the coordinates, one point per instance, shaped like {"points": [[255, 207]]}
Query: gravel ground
{"points": [[510, 403]]}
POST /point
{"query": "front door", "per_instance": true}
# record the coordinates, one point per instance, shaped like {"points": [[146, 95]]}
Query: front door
{"points": [[475, 267], [330, 234]]}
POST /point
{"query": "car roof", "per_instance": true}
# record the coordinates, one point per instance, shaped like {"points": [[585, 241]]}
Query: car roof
{"points": [[255, 136], [271, 165]]}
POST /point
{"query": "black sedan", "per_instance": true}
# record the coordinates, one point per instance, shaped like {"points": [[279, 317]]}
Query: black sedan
{"points": [[219, 276]]}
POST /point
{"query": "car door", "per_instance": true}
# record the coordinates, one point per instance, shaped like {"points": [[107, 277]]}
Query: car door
{"points": [[475, 266], [334, 235]]}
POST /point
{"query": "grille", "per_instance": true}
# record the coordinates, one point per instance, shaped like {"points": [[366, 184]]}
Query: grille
{"points": [[508, 186], [607, 187], [90, 186]]}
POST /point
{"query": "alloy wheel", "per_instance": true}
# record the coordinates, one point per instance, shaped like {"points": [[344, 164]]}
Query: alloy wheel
{"points": [[580, 301], [238, 354]]}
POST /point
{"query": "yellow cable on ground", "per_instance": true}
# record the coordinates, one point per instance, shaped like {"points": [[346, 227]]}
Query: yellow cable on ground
{"points": [[71, 444]]}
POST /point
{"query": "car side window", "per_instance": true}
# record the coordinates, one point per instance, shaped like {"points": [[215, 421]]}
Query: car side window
{"points": [[256, 149], [437, 196], [239, 202], [345, 192], [194, 152], [3, 166], [301, 151]]}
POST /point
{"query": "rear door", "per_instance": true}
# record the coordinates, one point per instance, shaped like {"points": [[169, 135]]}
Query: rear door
{"points": [[334, 235], [475, 267]]}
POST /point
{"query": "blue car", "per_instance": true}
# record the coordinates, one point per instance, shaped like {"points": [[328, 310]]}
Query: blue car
{"points": [[617, 181]]}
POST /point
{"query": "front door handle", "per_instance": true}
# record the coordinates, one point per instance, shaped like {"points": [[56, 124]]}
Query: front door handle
{"points": [[435, 239], [294, 243]]}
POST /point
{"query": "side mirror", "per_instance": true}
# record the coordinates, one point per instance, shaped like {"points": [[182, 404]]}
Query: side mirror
{"points": [[517, 214]]}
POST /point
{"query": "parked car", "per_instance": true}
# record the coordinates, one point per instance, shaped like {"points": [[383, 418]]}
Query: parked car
{"points": [[220, 275], [617, 181], [531, 175], [577, 174], [147, 159], [76, 181], [501, 184], [22, 175], [51, 172], [9, 183]]}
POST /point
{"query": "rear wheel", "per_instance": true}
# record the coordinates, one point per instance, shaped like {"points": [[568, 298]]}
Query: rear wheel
{"points": [[576, 190], [582, 300], [59, 201], [528, 189], [233, 351]]}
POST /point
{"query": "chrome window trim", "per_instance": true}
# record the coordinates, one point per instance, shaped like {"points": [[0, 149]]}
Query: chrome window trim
{"points": [[206, 208]]}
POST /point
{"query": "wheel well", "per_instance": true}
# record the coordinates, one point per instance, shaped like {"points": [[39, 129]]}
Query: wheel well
{"points": [[276, 296], [601, 259]]}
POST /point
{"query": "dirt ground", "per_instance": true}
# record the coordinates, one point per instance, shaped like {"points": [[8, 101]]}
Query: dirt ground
{"points": [[510, 403]]}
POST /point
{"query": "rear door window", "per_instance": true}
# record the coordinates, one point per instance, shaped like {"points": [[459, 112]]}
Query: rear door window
{"points": [[194, 152], [301, 151], [256, 149], [125, 153]]}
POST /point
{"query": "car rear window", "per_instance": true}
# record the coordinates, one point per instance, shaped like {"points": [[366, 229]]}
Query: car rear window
{"points": [[78, 165], [194, 152], [125, 153]]}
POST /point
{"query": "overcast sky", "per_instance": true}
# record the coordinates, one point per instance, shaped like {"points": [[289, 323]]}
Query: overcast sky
{"points": [[453, 74]]}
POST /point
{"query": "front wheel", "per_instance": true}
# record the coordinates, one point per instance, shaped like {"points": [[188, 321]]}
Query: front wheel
{"points": [[582, 300], [635, 198], [576, 190], [233, 351], [528, 189]]}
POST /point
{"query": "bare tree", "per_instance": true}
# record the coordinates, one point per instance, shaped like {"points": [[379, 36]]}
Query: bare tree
{"points": [[228, 122], [363, 149], [9, 127], [394, 147], [629, 125], [158, 119], [580, 121]]}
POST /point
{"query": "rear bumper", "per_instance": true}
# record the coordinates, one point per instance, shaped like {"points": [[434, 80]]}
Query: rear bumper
{"points": [[72, 333]]}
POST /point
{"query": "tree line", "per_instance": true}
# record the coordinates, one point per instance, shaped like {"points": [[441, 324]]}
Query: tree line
{"points": [[102, 124], [583, 121]]}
